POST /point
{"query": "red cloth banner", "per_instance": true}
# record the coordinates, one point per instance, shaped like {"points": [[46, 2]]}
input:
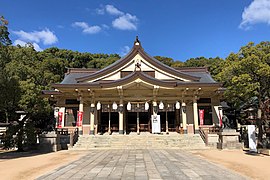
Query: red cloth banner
{"points": [[60, 119], [220, 118], [201, 114], [80, 118]]}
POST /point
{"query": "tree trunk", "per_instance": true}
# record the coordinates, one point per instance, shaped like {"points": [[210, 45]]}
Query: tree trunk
{"points": [[20, 136], [260, 124], [6, 114]]}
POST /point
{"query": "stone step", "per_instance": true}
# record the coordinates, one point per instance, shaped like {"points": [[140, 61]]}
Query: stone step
{"points": [[142, 141]]}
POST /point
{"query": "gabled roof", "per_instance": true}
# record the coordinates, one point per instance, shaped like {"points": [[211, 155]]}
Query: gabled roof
{"points": [[80, 77], [131, 78], [137, 49]]}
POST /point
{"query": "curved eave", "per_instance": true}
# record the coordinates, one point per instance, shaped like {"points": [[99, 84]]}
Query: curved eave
{"points": [[132, 78], [50, 92], [123, 61], [128, 79], [116, 65], [138, 75], [188, 84], [47, 93], [166, 68]]}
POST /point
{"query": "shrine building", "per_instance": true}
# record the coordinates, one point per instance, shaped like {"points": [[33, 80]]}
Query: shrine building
{"points": [[137, 93]]}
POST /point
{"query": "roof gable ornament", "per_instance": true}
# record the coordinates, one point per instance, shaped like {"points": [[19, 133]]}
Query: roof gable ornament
{"points": [[138, 65], [137, 42]]}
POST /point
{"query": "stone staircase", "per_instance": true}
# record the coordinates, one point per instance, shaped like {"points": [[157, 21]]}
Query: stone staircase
{"points": [[145, 140]]}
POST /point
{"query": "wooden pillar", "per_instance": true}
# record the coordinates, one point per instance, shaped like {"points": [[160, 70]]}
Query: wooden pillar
{"points": [[138, 123], [184, 116], [167, 125], [121, 117], [92, 118], [109, 128], [195, 112]]}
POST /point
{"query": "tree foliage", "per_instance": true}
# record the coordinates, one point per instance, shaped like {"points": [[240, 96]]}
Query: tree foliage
{"points": [[246, 75]]}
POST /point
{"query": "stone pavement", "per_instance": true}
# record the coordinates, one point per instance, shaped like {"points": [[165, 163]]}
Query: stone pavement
{"points": [[141, 164]]}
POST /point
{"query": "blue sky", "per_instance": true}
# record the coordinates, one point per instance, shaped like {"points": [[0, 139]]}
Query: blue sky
{"points": [[180, 29]]}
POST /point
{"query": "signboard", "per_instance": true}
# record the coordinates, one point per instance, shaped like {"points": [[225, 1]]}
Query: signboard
{"points": [[60, 119], [252, 138], [80, 118], [155, 120], [201, 114]]}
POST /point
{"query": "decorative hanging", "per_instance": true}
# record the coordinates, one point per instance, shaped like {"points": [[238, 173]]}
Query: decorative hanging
{"points": [[128, 106], [146, 106], [114, 106], [98, 105], [177, 105], [161, 105]]}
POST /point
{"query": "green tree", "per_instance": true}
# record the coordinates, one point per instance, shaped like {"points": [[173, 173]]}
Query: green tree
{"points": [[214, 65], [4, 34], [246, 75], [9, 87], [165, 60]]}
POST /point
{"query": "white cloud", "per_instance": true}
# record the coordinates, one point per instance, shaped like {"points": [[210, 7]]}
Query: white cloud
{"points": [[124, 51], [105, 26], [113, 10], [60, 26], [257, 12], [23, 43], [86, 28], [125, 22], [100, 11], [45, 36]]}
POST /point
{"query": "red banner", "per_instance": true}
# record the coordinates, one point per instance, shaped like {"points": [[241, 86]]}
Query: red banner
{"points": [[220, 118], [80, 118], [60, 119], [201, 114]]}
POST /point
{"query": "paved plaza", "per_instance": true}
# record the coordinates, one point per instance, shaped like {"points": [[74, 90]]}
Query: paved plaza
{"points": [[141, 164]]}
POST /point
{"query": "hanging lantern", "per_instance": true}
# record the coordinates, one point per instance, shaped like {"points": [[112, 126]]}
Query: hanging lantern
{"points": [[177, 105], [146, 106], [128, 106], [114, 106], [98, 105], [161, 105]]}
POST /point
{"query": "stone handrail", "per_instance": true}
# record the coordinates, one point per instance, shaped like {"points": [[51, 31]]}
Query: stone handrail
{"points": [[204, 135]]}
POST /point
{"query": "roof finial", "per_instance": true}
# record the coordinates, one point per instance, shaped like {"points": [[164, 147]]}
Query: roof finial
{"points": [[137, 42]]}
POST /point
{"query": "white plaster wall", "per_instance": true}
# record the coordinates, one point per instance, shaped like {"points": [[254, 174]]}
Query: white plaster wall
{"points": [[159, 75], [113, 76]]}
